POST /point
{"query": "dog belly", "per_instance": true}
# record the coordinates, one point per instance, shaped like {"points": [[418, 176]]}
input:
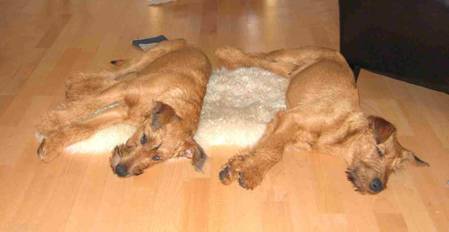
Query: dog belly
{"points": [[238, 105], [103, 141]]}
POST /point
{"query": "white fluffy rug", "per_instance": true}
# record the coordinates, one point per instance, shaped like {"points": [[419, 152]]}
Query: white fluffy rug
{"points": [[238, 105], [236, 109]]}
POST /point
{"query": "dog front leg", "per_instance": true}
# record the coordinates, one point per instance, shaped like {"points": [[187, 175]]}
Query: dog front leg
{"points": [[53, 145], [250, 167], [68, 113], [54, 141]]}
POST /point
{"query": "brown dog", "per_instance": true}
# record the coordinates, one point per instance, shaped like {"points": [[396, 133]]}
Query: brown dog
{"points": [[160, 94], [323, 113]]}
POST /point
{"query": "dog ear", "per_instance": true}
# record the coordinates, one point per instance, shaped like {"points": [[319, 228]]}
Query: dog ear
{"points": [[161, 114], [382, 128], [194, 151], [382, 131]]}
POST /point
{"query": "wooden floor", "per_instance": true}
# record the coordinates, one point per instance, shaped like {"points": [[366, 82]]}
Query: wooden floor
{"points": [[43, 42]]}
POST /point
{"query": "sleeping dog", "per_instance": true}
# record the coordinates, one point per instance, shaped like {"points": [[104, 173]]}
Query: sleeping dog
{"points": [[323, 114], [158, 95]]}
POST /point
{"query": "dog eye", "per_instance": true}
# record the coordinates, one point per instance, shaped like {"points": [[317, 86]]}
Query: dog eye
{"points": [[156, 147], [156, 158], [143, 139]]}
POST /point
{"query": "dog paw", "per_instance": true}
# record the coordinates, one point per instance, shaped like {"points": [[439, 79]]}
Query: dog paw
{"points": [[250, 179], [45, 152], [42, 150], [225, 175], [242, 169]]}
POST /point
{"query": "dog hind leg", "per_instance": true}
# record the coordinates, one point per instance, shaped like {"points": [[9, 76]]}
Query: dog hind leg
{"points": [[85, 84], [285, 62], [233, 58], [77, 90], [138, 64]]}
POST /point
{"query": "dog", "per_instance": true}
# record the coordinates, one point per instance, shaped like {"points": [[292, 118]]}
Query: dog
{"points": [[159, 94], [322, 114]]}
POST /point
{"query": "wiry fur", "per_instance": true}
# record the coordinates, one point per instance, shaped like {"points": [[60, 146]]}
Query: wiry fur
{"points": [[159, 94], [323, 113]]}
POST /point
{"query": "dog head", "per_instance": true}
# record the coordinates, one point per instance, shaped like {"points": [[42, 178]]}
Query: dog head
{"points": [[161, 137], [377, 153]]}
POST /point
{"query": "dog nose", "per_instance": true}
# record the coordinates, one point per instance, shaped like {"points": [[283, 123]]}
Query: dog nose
{"points": [[376, 185], [121, 170]]}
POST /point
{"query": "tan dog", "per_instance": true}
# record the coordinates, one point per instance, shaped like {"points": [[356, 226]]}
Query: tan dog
{"points": [[162, 100], [323, 113]]}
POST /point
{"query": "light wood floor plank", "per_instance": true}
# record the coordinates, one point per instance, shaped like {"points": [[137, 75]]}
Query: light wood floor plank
{"points": [[44, 42]]}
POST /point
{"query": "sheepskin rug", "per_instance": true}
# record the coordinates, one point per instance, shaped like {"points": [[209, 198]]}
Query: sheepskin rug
{"points": [[237, 106]]}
